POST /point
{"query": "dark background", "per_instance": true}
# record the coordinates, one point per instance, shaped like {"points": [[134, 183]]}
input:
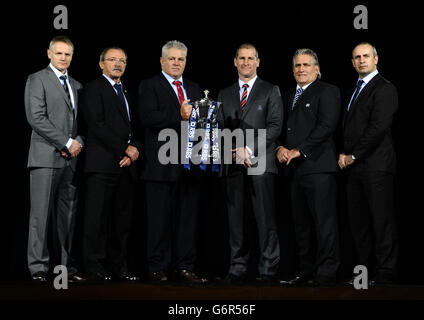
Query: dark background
{"points": [[212, 31]]}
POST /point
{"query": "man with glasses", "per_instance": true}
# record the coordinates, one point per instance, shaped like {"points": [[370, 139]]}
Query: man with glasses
{"points": [[111, 152]]}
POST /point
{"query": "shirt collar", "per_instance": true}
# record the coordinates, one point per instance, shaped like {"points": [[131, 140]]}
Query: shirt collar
{"points": [[57, 72], [251, 82], [171, 80], [369, 77], [112, 82], [305, 86]]}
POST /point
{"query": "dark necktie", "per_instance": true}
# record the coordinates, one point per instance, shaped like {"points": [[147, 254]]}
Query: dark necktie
{"points": [[244, 97], [65, 86], [299, 92], [356, 93], [180, 91], [118, 87]]}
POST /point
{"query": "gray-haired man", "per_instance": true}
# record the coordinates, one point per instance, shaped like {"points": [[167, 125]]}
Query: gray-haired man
{"points": [[51, 106]]}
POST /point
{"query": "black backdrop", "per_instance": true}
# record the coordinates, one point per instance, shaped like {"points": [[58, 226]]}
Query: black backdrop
{"points": [[212, 31]]}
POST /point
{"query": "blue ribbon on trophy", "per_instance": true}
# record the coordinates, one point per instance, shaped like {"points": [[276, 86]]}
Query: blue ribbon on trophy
{"points": [[207, 121]]}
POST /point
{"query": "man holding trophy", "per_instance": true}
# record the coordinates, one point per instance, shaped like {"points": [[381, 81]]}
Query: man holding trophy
{"points": [[164, 103]]}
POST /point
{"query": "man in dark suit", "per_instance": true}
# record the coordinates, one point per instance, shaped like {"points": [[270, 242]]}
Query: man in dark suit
{"points": [[51, 106], [251, 104], [172, 193], [370, 162], [111, 151], [309, 152]]}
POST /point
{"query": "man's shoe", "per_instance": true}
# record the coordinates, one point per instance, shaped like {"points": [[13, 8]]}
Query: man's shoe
{"points": [[266, 279], [99, 277], [40, 277], [190, 276], [128, 277], [297, 281], [75, 278], [158, 276], [232, 278]]}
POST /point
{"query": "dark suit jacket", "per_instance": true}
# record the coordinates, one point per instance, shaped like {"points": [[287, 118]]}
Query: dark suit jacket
{"points": [[367, 127], [263, 110], [159, 108], [310, 127], [108, 127]]}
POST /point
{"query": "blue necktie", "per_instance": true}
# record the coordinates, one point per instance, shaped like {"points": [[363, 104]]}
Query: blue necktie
{"points": [[118, 87], [356, 93], [299, 92]]}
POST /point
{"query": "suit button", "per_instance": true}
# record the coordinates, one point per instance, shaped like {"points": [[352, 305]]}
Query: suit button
{"points": [[288, 129]]}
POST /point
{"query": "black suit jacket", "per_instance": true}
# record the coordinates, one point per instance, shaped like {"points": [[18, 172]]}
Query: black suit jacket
{"points": [[108, 127], [310, 127], [159, 108], [367, 127], [263, 110]]}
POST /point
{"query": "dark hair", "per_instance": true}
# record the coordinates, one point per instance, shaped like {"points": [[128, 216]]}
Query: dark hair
{"points": [[103, 54]]}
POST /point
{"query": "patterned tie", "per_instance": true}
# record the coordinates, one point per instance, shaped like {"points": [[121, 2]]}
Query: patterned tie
{"points": [[299, 92], [118, 87], [65, 86], [244, 97], [356, 93], [180, 91]]}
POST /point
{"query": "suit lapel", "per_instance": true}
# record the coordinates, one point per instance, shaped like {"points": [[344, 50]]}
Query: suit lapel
{"points": [[56, 81], [252, 97], [304, 95], [364, 92], [167, 86], [115, 98], [75, 94]]}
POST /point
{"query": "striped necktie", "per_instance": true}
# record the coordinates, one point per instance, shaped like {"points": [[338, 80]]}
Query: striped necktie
{"points": [[244, 97], [65, 86], [299, 92]]}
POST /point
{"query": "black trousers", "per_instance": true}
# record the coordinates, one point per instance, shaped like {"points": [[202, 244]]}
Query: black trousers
{"points": [[172, 222], [260, 189], [107, 221], [372, 219], [314, 212]]}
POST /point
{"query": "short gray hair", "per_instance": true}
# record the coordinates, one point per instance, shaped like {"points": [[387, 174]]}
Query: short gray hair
{"points": [[173, 44], [309, 52], [64, 39]]}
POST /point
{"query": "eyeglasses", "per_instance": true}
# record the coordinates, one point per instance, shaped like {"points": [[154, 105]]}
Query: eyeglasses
{"points": [[123, 61]]}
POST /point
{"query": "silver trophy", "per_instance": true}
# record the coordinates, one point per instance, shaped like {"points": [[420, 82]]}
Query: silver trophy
{"points": [[206, 109]]}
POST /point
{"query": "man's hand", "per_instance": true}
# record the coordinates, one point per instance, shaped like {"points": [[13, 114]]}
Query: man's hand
{"points": [[292, 154], [282, 154], [345, 160], [242, 156], [185, 110], [132, 153], [75, 148], [125, 162]]}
